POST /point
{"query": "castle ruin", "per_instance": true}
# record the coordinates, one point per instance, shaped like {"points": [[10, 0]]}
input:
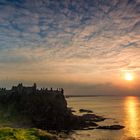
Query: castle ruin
{"points": [[20, 89]]}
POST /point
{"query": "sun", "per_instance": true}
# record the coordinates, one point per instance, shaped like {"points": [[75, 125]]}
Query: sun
{"points": [[128, 76]]}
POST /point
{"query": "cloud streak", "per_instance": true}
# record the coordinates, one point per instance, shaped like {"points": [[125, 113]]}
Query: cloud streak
{"points": [[63, 39]]}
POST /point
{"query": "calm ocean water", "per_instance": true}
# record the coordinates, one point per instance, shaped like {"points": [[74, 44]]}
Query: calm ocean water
{"points": [[119, 110]]}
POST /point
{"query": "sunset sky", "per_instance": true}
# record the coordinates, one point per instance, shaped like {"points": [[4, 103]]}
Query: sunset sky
{"points": [[84, 46]]}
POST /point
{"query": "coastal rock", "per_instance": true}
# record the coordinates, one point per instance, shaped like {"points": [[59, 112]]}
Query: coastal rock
{"points": [[82, 123], [111, 127], [92, 117], [85, 111], [71, 109]]}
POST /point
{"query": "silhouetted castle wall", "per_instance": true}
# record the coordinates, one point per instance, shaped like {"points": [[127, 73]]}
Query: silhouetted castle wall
{"points": [[45, 108], [20, 89]]}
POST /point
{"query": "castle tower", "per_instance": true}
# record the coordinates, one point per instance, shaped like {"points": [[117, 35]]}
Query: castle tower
{"points": [[34, 87], [20, 88]]}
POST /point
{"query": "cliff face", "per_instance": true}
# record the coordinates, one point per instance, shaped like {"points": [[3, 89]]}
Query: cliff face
{"points": [[47, 109]]}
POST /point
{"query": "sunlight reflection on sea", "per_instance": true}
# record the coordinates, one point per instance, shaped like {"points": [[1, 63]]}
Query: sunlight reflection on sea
{"points": [[120, 110]]}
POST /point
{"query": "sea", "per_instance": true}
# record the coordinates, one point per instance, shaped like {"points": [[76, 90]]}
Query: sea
{"points": [[120, 110]]}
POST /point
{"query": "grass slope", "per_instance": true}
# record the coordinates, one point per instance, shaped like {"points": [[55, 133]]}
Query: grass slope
{"points": [[25, 134], [12, 127]]}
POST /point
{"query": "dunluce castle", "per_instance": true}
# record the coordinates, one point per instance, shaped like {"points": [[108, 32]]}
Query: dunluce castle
{"points": [[46, 108], [20, 89]]}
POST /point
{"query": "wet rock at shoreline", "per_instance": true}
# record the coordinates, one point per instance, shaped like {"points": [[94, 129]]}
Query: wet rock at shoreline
{"points": [[71, 109], [93, 117], [85, 122], [111, 127], [85, 111]]}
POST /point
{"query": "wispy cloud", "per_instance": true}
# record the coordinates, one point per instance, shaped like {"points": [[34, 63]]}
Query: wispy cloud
{"points": [[61, 38]]}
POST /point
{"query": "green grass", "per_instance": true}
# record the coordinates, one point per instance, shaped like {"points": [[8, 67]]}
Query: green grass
{"points": [[12, 127], [25, 134], [9, 117]]}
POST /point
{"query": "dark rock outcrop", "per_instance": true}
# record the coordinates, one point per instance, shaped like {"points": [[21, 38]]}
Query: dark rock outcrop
{"points": [[92, 117], [85, 111], [111, 127]]}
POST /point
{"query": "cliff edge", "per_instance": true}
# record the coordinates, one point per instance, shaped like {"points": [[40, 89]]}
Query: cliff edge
{"points": [[47, 109]]}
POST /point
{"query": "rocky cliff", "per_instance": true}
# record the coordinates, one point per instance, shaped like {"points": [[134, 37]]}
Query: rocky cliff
{"points": [[47, 109]]}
